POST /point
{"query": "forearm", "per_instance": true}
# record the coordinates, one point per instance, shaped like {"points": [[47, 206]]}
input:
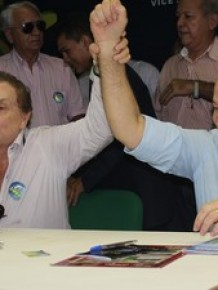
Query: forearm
{"points": [[121, 108]]}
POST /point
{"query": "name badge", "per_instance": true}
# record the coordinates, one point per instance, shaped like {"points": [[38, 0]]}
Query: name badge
{"points": [[16, 190], [58, 97]]}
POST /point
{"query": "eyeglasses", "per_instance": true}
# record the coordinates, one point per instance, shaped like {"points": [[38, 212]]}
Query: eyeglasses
{"points": [[2, 211], [27, 27]]}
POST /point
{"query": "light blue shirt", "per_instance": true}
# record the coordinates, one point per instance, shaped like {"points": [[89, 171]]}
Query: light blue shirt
{"points": [[189, 153]]}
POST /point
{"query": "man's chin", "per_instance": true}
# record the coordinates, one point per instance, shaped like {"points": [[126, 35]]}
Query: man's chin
{"points": [[185, 41]]}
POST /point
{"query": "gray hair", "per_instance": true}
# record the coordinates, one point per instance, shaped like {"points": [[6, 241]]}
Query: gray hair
{"points": [[6, 16], [209, 6]]}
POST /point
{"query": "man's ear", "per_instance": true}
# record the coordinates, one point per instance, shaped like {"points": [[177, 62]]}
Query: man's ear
{"points": [[86, 41], [26, 119], [8, 35], [213, 21]]}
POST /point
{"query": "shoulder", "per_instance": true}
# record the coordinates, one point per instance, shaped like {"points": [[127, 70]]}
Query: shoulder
{"points": [[147, 72], [6, 57], [52, 60], [143, 65], [54, 64], [172, 60], [170, 68]]}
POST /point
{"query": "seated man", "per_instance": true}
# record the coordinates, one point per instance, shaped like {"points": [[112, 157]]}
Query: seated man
{"points": [[165, 146], [35, 163]]}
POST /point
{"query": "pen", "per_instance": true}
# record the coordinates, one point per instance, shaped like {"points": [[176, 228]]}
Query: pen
{"points": [[94, 257], [99, 248]]}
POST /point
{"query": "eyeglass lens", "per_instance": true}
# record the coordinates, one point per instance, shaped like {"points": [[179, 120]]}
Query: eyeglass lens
{"points": [[2, 211], [28, 27]]}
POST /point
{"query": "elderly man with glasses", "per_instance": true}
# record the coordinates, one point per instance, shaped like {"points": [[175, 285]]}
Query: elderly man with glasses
{"points": [[56, 97]]}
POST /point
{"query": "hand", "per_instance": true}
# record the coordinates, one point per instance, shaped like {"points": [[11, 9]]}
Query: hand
{"points": [[207, 219], [121, 51], [108, 21], [74, 189], [215, 104], [176, 88]]}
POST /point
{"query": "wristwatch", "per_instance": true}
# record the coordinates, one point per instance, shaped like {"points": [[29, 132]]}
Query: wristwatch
{"points": [[196, 90]]}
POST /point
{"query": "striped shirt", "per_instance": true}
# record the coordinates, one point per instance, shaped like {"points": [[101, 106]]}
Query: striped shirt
{"points": [[55, 92], [186, 111]]}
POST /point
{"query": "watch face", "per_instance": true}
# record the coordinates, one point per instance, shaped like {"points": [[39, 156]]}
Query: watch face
{"points": [[196, 90]]}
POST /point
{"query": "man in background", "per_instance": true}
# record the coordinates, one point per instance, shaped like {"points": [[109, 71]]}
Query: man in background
{"points": [[56, 97], [73, 39]]}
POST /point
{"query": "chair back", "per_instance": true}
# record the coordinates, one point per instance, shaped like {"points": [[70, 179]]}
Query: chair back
{"points": [[107, 210]]}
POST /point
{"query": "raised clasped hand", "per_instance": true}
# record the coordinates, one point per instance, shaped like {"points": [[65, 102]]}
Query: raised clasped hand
{"points": [[108, 21]]}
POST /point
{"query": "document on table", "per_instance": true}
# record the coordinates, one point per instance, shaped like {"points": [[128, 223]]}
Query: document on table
{"points": [[136, 256]]}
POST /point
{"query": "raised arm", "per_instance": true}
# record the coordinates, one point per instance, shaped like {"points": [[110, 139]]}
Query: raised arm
{"points": [[108, 22]]}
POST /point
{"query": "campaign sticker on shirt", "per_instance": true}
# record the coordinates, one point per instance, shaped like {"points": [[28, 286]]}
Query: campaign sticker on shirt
{"points": [[58, 97], [16, 190]]}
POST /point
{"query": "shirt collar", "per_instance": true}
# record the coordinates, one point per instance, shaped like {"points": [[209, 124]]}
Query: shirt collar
{"points": [[18, 59], [211, 51], [20, 141]]}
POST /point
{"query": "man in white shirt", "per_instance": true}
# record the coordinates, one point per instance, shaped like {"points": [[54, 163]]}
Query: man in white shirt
{"points": [[35, 163]]}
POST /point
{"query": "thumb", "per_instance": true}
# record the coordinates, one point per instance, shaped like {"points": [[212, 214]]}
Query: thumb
{"points": [[94, 50]]}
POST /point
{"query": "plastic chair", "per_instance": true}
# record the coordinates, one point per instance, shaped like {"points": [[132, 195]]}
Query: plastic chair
{"points": [[107, 210]]}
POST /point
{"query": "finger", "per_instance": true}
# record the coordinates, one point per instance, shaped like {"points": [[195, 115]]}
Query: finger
{"points": [[166, 95], [200, 218], [215, 95], [122, 57], [165, 98], [97, 15], [103, 13], [76, 197], [208, 223], [214, 231], [75, 200], [206, 212], [118, 8], [69, 194], [94, 50], [122, 44], [108, 11], [72, 199], [124, 60], [69, 199]]}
